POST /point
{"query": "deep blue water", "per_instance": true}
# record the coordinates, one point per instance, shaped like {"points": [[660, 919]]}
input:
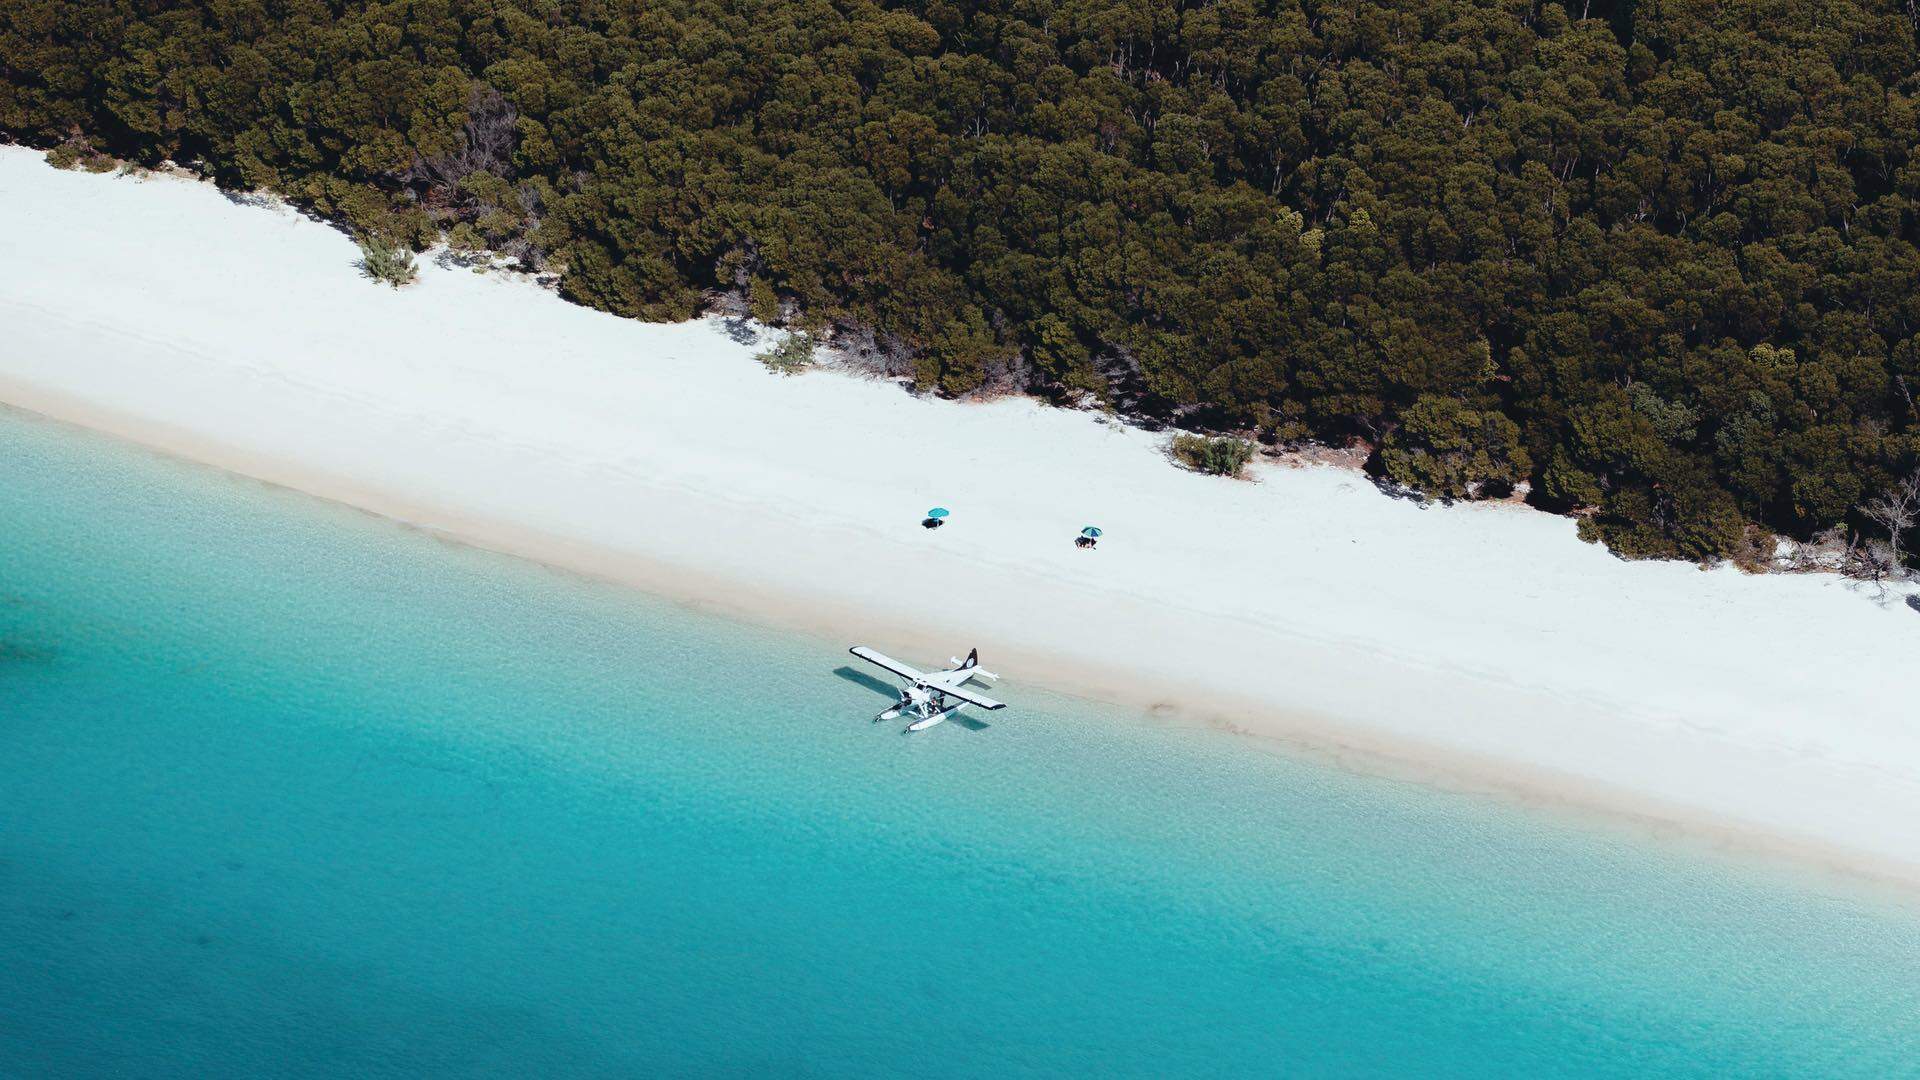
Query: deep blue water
{"points": [[290, 791]]}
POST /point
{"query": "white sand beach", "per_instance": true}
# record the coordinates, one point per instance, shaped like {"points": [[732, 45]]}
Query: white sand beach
{"points": [[1486, 643]]}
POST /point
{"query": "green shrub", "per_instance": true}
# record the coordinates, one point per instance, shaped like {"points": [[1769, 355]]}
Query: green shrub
{"points": [[466, 239], [1447, 450], [1219, 456], [763, 302], [78, 153], [793, 355], [381, 261], [66, 156]]}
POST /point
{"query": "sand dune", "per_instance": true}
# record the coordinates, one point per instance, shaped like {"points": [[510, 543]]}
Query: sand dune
{"points": [[1486, 642]]}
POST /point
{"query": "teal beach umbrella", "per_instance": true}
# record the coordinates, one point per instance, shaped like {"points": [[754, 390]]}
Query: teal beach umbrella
{"points": [[938, 512], [1090, 532]]}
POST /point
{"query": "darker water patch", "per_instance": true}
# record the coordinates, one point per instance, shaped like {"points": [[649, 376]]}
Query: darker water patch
{"points": [[23, 653]]}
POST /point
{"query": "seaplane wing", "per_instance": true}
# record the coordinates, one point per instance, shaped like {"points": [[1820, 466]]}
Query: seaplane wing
{"points": [[874, 656], [968, 696]]}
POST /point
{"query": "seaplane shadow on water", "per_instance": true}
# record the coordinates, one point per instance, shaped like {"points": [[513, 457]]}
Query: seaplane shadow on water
{"points": [[929, 696]]}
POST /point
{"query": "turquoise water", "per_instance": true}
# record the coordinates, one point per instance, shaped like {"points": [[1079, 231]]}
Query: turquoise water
{"points": [[291, 791]]}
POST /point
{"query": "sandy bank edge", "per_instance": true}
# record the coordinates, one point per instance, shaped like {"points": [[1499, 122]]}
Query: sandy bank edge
{"points": [[1258, 722]]}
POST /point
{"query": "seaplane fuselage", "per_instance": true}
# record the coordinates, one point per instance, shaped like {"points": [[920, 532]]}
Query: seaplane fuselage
{"points": [[932, 696]]}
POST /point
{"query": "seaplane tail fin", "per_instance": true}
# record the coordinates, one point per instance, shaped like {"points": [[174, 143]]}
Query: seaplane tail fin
{"points": [[971, 665]]}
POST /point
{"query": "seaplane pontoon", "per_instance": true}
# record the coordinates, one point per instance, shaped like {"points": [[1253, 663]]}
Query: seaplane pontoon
{"points": [[927, 693]]}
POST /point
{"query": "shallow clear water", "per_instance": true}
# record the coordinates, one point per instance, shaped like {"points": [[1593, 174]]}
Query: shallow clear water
{"points": [[292, 791]]}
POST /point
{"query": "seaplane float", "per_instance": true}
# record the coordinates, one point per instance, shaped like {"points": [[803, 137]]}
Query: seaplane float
{"points": [[932, 696]]}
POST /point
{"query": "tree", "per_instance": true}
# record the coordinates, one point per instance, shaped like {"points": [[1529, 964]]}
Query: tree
{"points": [[1663, 261], [1222, 456], [1448, 450], [1897, 512]]}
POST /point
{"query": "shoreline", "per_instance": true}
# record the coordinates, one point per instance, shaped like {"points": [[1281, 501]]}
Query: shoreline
{"points": [[1317, 739], [1480, 646]]}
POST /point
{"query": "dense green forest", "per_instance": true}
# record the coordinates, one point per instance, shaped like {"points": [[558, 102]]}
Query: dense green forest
{"points": [[1658, 259]]}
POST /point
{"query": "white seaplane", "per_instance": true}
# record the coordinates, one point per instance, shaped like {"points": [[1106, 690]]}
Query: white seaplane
{"points": [[925, 696]]}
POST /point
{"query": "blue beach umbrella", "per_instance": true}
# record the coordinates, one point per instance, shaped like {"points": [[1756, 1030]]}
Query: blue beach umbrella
{"points": [[938, 512], [1090, 532]]}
